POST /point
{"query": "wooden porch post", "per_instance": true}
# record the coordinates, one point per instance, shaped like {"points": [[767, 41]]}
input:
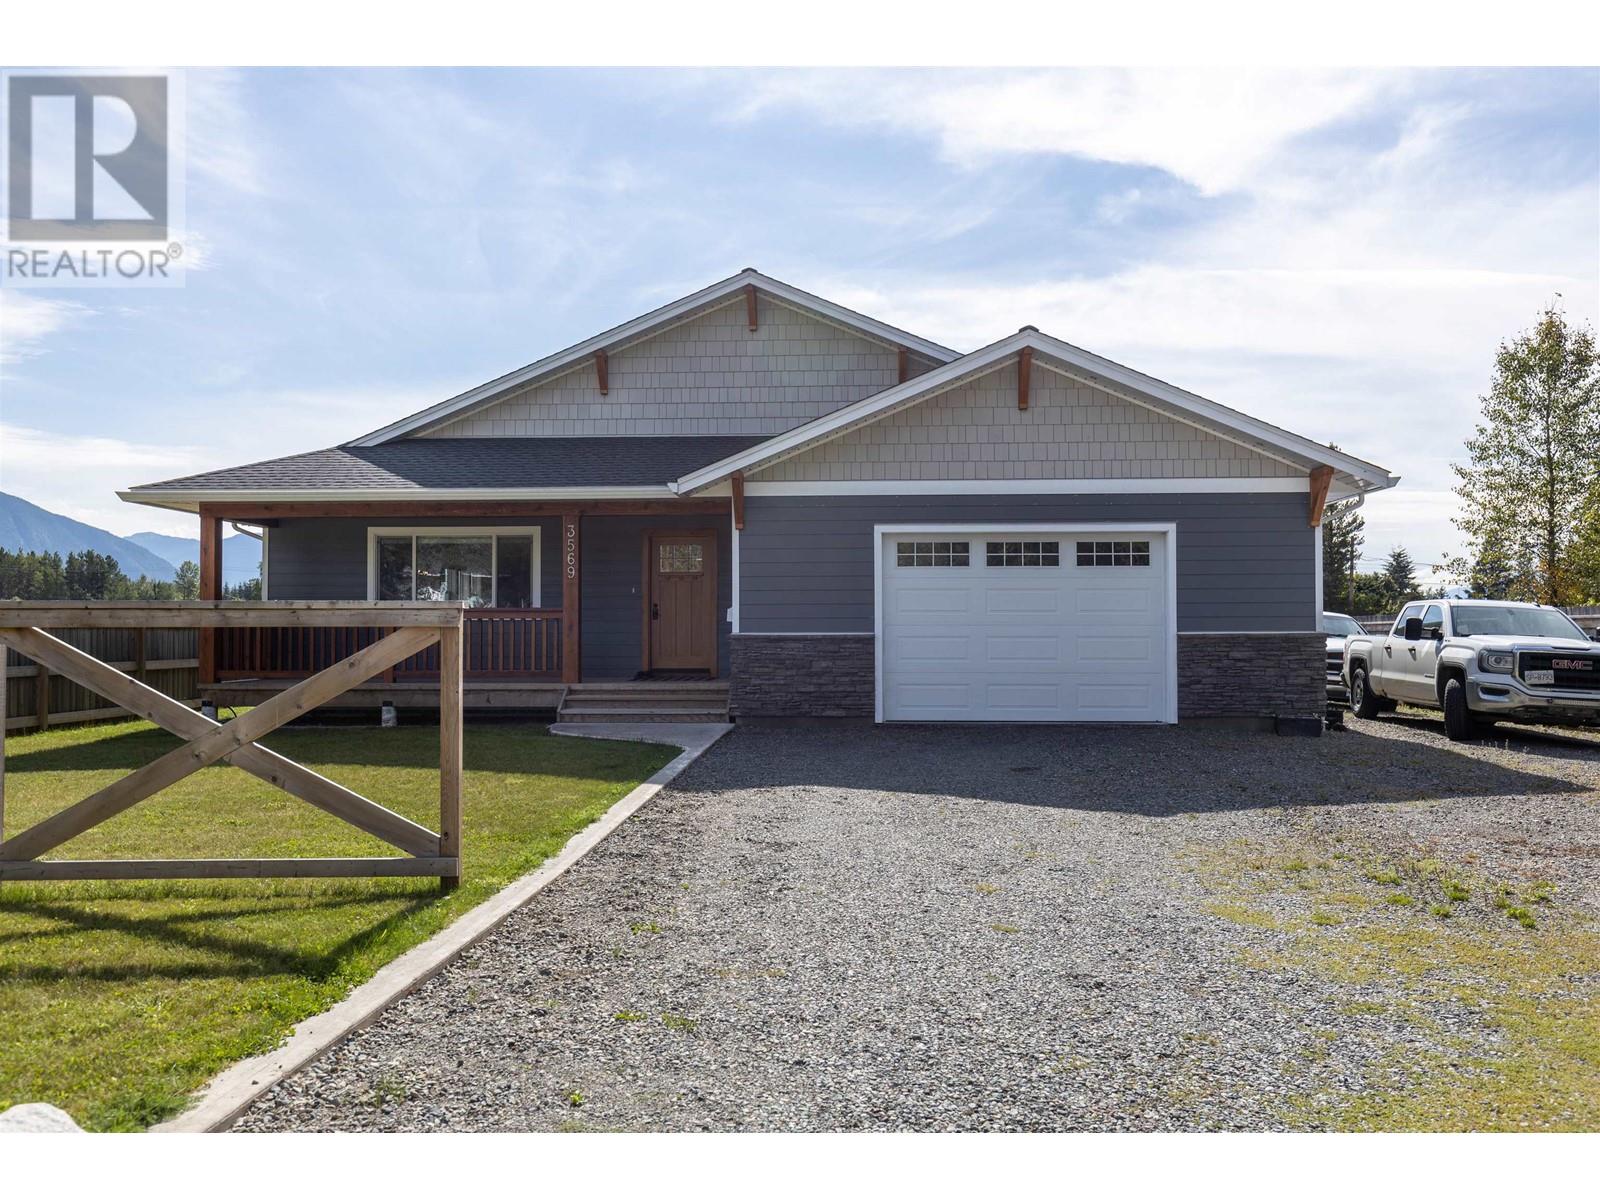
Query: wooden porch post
{"points": [[571, 597], [210, 589], [450, 759]]}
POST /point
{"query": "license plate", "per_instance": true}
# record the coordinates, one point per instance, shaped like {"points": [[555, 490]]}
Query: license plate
{"points": [[1538, 677]]}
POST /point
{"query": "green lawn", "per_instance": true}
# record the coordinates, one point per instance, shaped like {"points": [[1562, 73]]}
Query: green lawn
{"points": [[118, 999]]}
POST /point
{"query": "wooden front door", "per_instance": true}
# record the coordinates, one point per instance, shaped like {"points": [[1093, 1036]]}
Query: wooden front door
{"points": [[681, 602]]}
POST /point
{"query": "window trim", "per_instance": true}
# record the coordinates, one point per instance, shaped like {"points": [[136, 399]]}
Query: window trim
{"points": [[374, 532]]}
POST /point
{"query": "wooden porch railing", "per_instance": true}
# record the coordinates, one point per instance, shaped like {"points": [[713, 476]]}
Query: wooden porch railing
{"points": [[410, 629], [497, 643]]}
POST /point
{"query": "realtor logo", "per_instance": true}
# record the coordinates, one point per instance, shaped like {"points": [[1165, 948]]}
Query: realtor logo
{"points": [[87, 158]]}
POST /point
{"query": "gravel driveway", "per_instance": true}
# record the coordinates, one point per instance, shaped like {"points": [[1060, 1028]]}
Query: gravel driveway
{"points": [[915, 928]]}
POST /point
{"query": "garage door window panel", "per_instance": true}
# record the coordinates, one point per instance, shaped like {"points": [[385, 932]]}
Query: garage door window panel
{"points": [[1113, 554], [932, 554], [1022, 554]]}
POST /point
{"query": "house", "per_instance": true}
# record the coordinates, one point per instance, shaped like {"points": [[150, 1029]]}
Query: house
{"points": [[822, 514]]}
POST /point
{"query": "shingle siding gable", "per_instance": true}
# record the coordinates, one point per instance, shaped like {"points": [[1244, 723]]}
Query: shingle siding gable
{"points": [[1069, 431], [707, 375]]}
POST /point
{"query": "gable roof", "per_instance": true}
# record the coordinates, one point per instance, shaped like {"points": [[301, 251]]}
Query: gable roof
{"points": [[422, 468], [646, 326], [1355, 474]]}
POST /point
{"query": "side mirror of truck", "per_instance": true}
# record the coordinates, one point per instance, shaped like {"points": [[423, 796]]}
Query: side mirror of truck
{"points": [[1413, 629]]}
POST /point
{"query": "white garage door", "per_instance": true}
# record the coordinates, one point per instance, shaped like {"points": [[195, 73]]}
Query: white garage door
{"points": [[1025, 625]]}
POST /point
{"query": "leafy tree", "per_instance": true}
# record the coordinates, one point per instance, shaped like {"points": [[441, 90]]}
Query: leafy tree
{"points": [[1343, 532], [1530, 492]]}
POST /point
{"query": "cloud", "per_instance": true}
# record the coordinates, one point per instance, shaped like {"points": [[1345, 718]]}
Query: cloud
{"points": [[290, 421], [222, 143], [27, 320], [1213, 128], [1380, 235], [31, 466]]}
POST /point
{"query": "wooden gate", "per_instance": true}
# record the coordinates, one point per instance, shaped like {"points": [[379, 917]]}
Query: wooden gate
{"points": [[24, 626]]}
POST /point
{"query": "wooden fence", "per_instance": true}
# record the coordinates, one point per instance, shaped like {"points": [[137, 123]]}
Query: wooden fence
{"points": [[25, 626], [37, 698]]}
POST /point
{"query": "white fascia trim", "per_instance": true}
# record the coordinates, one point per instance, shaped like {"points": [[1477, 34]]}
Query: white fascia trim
{"points": [[649, 323], [1021, 487], [168, 498], [1096, 368], [1221, 414], [1167, 529]]}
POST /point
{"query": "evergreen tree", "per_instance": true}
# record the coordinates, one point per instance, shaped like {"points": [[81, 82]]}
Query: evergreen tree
{"points": [[1343, 532], [1400, 576], [188, 582], [1531, 490], [91, 575]]}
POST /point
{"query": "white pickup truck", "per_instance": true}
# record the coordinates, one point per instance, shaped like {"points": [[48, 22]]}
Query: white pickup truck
{"points": [[1479, 661]]}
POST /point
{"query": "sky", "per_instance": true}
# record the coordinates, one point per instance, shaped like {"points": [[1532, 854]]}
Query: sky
{"points": [[1339, 253]]}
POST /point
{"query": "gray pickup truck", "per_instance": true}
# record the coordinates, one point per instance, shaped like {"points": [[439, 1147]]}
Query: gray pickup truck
{"points": [[1478, 661]]}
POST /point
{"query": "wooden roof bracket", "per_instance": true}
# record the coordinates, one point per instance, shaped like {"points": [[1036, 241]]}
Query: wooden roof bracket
{"points": [[1321, 477], [1024, 371], [738, 499], [750, 305], [600, 369], [904, 357]]}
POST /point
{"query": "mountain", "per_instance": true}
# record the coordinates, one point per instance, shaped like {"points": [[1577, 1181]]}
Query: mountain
{"points": [[241, 554], [25, 526]]}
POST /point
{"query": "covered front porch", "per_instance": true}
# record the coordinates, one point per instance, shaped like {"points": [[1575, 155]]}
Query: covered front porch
{"points": [[600, 592]]}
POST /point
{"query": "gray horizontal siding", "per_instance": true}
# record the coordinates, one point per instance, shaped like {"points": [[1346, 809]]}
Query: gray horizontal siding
{"points": [[613, 583], [1246, 561], [325, 558]]}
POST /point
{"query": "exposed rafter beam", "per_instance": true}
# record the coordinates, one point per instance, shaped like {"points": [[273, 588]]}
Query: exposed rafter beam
{"points": [[601, 365], [750, 305], [1321, 477], [738, 499], [1024, 374], [904, 356]]}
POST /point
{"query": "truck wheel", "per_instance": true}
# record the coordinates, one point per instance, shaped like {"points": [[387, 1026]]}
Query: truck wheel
{"points": [[1458, 723], [1362, 702]]}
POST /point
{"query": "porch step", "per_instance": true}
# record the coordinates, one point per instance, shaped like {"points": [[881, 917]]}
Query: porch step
{"points": [[698, 702]]}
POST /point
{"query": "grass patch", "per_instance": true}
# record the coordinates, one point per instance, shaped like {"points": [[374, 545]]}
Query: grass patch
{"points": [[118, 999], [1525, 975]]}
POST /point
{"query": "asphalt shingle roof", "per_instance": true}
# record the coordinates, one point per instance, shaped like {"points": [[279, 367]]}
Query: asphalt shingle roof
{"points": [[475, 463]]}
